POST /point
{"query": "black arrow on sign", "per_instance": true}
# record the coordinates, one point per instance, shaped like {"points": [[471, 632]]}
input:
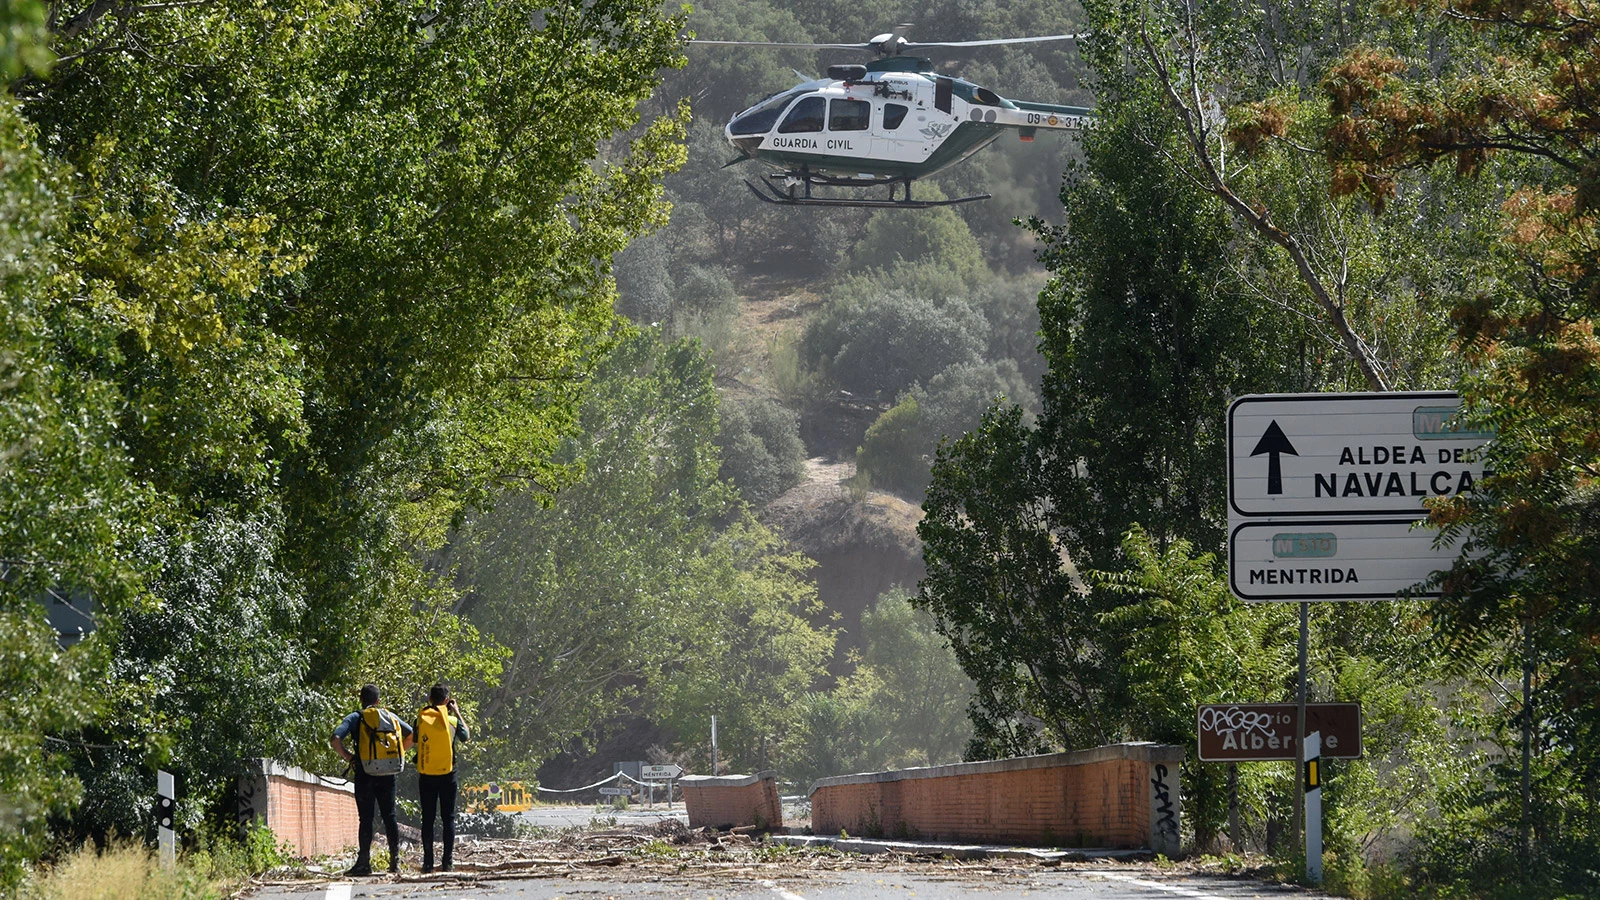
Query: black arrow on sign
{"points": [[1275, 445]]}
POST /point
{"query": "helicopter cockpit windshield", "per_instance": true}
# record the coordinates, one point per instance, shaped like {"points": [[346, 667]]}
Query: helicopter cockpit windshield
{"points": [[758, 119]]}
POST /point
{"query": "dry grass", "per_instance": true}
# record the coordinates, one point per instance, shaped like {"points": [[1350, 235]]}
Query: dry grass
{"points": [[122, 872]]}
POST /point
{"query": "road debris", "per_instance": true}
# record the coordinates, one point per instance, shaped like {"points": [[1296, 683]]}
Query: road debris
{"points": [[670, 849]]}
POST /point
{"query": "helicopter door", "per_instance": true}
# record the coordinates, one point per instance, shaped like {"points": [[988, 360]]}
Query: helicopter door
{"points": [[848, 124], [894, 134]]}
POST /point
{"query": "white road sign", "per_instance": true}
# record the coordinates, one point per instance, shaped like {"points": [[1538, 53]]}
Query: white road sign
{"points": [[616, 792], [1333, 559], [662, 771], [1356, 455]]}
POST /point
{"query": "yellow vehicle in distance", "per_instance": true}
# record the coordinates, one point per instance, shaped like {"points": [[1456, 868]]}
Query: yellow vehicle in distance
{"points": [[509, 796]]}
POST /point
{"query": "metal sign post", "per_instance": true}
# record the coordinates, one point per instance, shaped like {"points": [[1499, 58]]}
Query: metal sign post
{"points": [[1313, 790], [166, 818], [714, 746]]}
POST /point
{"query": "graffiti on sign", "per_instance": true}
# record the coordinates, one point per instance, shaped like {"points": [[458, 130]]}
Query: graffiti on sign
{"points": [[1246, 732]]}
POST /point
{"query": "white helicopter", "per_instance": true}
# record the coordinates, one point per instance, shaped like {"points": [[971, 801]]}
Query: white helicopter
{"points": [[888, 122]]}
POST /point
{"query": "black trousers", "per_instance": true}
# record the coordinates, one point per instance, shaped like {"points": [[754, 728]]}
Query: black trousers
{"points": [[438, 795], [375, 793]]}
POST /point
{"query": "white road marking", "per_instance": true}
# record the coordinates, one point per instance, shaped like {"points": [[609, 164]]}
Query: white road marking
{"points": [[1156, 885], [786, 895], [340, 891]]}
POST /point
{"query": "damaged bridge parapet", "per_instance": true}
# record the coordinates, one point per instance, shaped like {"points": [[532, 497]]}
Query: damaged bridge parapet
{"points": [[1122, 796], [314, 814], [729, 801]]}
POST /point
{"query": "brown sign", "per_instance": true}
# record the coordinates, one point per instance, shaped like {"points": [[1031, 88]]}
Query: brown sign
{"points": [[1250, 732]]}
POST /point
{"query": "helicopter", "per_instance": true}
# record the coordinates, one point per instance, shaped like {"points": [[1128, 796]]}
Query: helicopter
{"points": [[886, 123]]}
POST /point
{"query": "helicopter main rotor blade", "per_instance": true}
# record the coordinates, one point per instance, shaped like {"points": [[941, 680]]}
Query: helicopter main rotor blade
{"points": [[785, 44], [990, 43]]}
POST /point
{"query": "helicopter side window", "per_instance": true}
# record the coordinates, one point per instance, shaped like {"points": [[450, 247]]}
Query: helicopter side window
{"points": [[760, 118], [849, 115], [807, 115], [893, 115]]}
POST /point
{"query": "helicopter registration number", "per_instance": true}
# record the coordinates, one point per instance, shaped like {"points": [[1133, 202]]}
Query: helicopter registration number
{"points": [[1042, 119]]}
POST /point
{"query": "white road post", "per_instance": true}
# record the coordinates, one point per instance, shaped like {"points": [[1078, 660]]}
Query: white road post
{"points": [[166, 818], [714, 746], [1313, 788]]}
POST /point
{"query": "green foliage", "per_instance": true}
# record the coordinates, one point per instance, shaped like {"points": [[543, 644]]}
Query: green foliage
{"points": [[1179, 638], [1147, 334], [882, 343], [45, 688], [895, 236], [285, 297], [23, 43], [891, 453], [904, 705], [624, 583], [919, 693], [1000, 594], [205, 675], [762, 454], [896, 451]]}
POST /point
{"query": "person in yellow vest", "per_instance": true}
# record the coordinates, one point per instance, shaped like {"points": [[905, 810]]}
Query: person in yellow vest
{"points": [[438, 728], [380, 740]]}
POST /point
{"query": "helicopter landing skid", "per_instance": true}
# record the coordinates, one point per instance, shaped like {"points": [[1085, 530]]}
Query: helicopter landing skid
{"points": [[770, 194]]}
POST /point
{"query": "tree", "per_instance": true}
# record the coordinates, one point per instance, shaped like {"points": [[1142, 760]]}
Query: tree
{"points": [[623, 585], [409, 349], [322, 279], [999, 591], [762, 454], [64, 500], [938, 234], [1516, 105], [1179, 639], [881, 343], [919, 692]]}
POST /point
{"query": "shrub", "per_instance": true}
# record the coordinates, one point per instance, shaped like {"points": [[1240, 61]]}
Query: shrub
{"points": [[882, 344]]}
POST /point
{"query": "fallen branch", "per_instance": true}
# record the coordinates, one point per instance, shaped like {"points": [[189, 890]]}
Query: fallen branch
{"points": [[533, 863]]}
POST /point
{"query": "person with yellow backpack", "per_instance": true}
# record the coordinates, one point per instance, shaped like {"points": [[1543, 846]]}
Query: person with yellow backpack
{"points": [[381, 740], [438, 728]]}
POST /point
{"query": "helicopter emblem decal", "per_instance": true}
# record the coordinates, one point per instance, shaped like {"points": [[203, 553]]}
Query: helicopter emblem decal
{"points": [[936, 130]]}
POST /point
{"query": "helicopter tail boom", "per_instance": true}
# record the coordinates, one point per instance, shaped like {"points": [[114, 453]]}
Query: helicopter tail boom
{"points": [[1040, 115]]}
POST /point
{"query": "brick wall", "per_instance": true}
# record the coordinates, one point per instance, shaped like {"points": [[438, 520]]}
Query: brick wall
{"points": [[313, 814], [729, 801], [1120, 796]]}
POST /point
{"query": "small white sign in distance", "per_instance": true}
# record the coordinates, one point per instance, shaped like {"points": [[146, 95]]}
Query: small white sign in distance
{"points": [[615, 792], [1333, 559], [671, 771], [1319, 455]]}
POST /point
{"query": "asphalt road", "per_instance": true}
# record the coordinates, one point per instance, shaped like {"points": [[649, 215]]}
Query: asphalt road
{"points": [[1037, 883]]}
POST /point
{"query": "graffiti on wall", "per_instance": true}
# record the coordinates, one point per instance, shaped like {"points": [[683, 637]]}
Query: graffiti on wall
{"points": [[1164, 812]]}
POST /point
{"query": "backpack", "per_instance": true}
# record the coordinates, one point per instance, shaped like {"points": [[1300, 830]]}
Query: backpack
{"points": [[379, 742], [435, 741]]}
